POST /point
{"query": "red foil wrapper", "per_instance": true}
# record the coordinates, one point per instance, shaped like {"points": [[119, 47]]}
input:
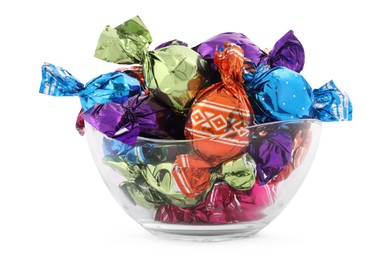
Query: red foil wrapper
{"points": [[221, 112]]}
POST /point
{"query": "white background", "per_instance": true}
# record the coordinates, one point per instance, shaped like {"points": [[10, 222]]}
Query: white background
{"points": [[53, 204]]}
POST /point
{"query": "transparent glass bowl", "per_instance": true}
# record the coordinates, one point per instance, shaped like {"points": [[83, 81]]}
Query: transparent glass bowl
{"points": [[141, 178]]}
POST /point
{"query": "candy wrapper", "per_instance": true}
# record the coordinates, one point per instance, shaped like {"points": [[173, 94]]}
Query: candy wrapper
{"points": [[223, 205], [143, 152], [153, 181], [194, 175], [139, 115], [282, 94], [173, 74], [287, 52], [221, 112], [207, 50], [272, 153], [110, 87]]}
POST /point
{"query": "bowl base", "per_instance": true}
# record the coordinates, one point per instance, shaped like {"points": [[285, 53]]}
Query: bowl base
{"points": [[203, 232]]}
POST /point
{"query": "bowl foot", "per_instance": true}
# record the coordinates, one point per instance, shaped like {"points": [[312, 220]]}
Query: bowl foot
{"points": [[203, 232]]}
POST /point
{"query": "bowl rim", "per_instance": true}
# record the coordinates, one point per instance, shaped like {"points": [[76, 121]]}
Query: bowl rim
{"points": [[173, 141]]}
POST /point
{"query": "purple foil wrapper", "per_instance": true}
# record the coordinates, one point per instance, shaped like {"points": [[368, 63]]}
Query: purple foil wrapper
{"points": [[167, 124], [271, 152], [173, 42], [115, 121], [139, 115], [287, 52], [207, 50]]}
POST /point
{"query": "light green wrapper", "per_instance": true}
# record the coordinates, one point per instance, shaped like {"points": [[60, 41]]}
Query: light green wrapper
{"points": [[241, 173], [125, 44], [149, 185], [173, 74]]}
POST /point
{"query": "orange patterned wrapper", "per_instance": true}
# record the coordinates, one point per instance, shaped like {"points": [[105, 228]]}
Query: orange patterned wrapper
{"points": [[191, 174], [221, 112]]}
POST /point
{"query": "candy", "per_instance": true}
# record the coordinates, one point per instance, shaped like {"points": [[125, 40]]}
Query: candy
{"points": [[139, 115], [271, 152], [331, 104], [207, 50], [223, 205], [287, 52], [282, 94], [143, 152], [194, 175], [221, 113], [80, 125], [110, 87], [173, 74], [229, 169], [156, 180]]}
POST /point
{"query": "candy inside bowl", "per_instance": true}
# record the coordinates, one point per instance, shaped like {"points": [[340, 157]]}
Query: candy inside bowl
{"points": [[173, 190]]}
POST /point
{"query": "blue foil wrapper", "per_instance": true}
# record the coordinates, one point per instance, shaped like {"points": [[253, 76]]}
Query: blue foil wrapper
{"points": [[282, 94], [57, 81], [136, 154], [279, 94], [331, 104], [114, 87]]}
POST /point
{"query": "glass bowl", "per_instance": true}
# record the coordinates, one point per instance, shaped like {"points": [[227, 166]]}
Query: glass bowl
{"points": [[208, 189]]}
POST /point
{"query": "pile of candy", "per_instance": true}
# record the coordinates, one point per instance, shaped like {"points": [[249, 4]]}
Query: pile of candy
{"points": [[213, 93]]}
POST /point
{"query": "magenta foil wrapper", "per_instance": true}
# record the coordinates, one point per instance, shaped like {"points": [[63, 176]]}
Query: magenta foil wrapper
{"points": [[222, 205]]}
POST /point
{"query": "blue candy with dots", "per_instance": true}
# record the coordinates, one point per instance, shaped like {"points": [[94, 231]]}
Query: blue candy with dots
{"points": [[282, 94], [279, 94]]}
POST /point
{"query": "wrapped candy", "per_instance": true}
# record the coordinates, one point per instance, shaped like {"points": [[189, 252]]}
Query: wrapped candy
{"points": [[110, 87], [193, 175], [287, 52], [282, 94], [271, 152], [143, 152], [207, 50], [301, 141], [173, 74], [163, 177], [154, 180], [222, 205], [141, 194], [139, 115], [221, 113], [331, 104]]}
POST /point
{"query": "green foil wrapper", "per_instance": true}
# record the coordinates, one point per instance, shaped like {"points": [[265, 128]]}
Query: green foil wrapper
{"points": [[125, 44], [152, 185], [173, 74], [240, 174]]}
